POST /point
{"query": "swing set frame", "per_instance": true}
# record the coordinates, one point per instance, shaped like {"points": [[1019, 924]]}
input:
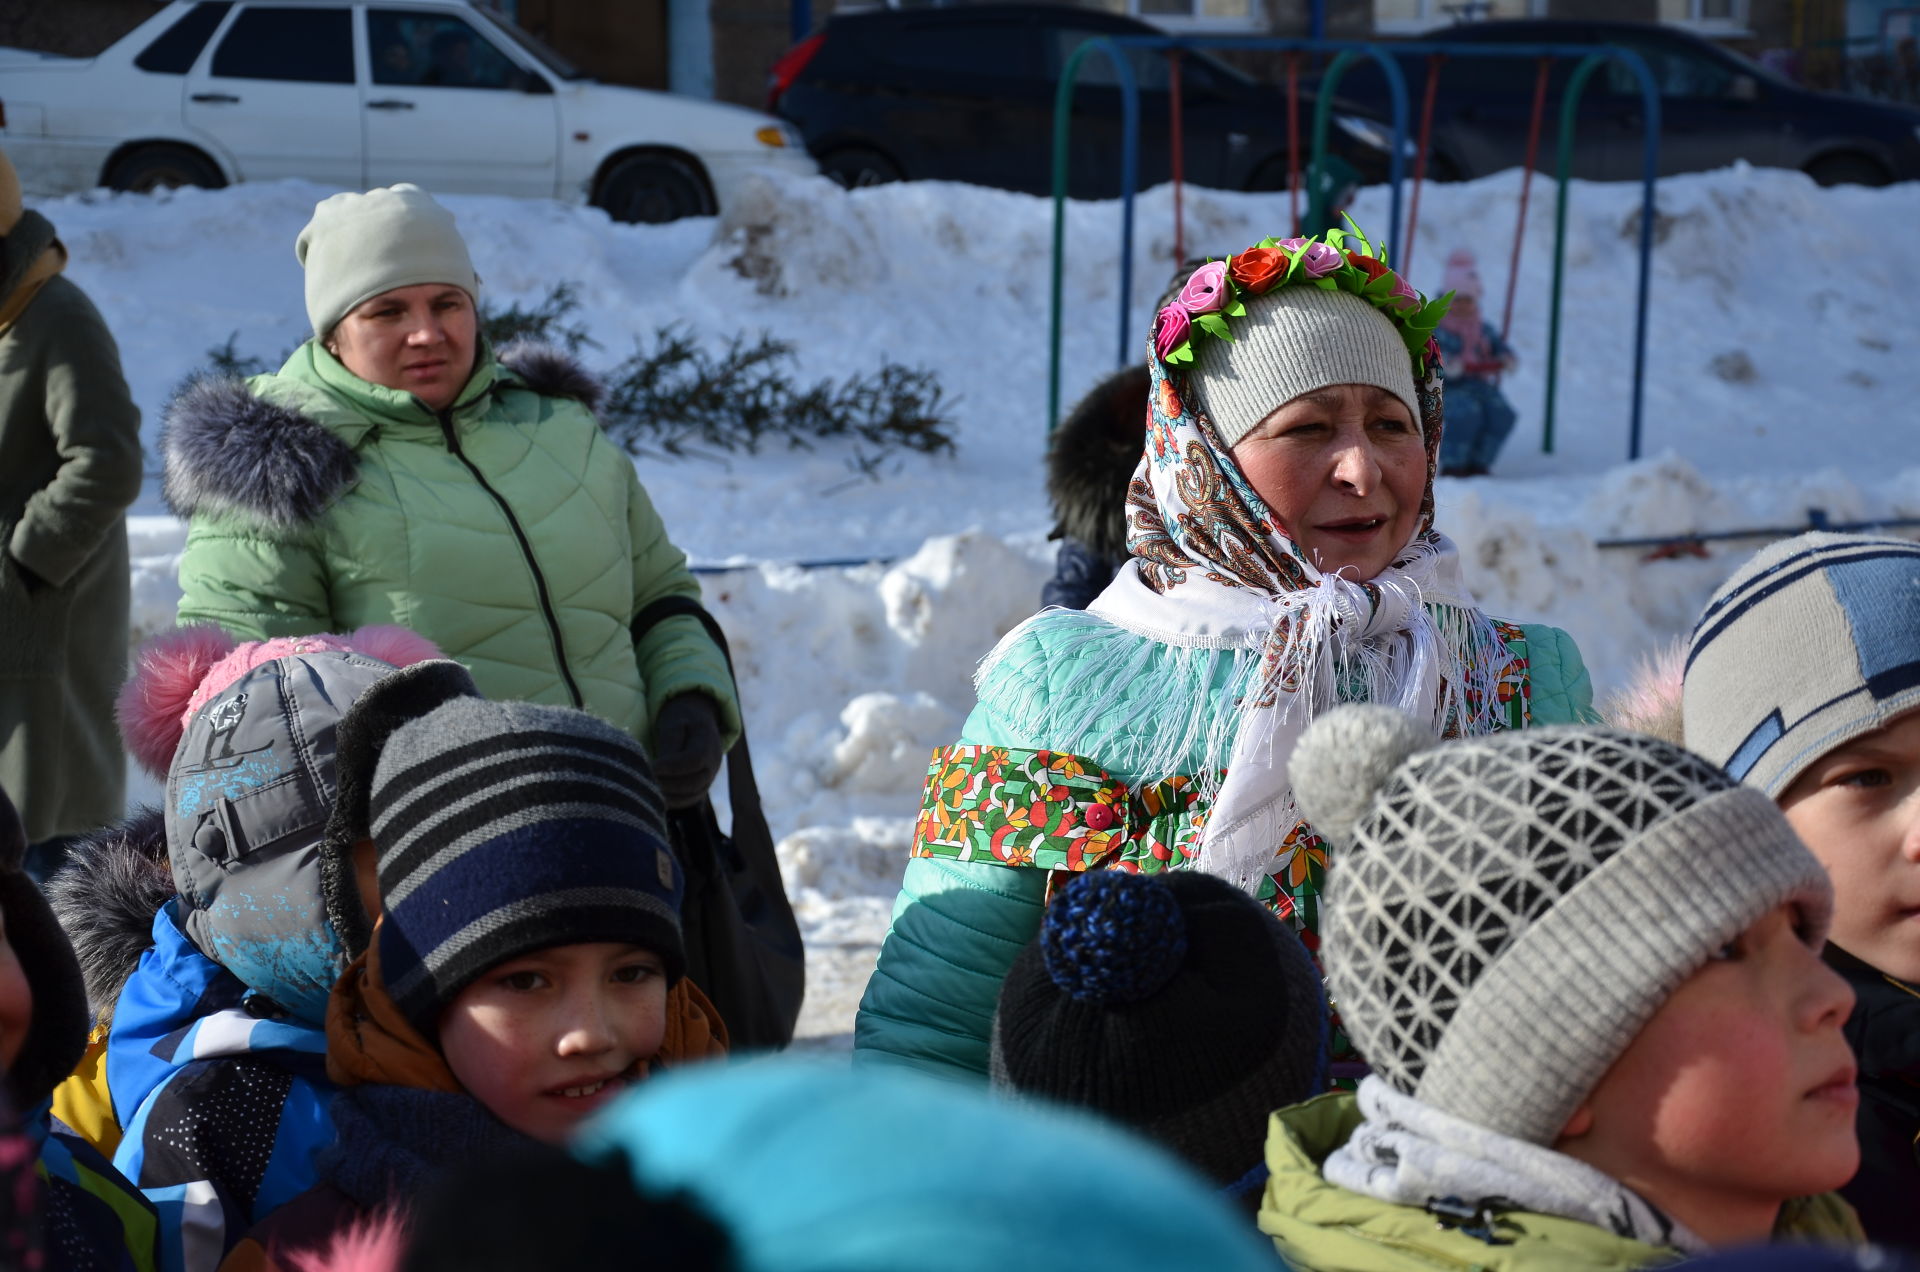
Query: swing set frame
{"points": [[1590, 58]]}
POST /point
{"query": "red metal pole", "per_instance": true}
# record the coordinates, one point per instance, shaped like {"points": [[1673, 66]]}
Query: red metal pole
{"points": [[1526, 189], [1179, 158], [1293, 141], [1405, 262]]}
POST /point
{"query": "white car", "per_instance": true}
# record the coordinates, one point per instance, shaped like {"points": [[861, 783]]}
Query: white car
{"points": [[363, 93]]}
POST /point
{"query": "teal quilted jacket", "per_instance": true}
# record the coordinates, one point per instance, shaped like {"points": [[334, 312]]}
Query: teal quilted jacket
{"points": [[958, 924]]}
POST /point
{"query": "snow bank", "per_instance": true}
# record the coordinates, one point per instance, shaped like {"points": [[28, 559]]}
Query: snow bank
{"points": [[852, 676]]}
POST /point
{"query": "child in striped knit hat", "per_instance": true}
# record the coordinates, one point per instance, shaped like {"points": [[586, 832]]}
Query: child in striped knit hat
{"points": [[1803, 679], [526, 965]]}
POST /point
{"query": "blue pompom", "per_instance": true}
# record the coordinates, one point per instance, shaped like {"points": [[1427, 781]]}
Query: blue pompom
{"points": [[1113, 937]]}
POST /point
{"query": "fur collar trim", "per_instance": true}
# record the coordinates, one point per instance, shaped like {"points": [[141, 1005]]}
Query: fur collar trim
{"points": [[117, 879], [226, 449], [1091, 458]]}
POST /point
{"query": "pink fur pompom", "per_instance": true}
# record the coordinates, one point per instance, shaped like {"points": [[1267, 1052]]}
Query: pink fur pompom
{"points": [[397, 645], [1651, 701], [375, 1245], [152, 706], [181, 671]]}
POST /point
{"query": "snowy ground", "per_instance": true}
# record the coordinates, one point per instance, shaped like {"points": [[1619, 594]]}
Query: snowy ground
{"points": [[1781, 378]]}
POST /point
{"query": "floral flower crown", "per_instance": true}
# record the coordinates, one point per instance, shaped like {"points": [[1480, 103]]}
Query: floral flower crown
{"points": [[1214, 293]]}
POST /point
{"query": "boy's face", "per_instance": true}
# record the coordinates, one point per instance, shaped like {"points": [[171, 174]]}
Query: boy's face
{"points": [[1737, 1094], [16, 1002], [548, 1038], [1858, 808]]}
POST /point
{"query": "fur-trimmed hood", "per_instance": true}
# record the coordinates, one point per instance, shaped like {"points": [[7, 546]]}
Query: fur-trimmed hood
{"points": [[115, 880], [1092, 456], [224, 448]]}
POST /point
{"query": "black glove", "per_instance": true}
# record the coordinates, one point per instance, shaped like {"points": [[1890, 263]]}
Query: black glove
{"points": [[686, 749]]}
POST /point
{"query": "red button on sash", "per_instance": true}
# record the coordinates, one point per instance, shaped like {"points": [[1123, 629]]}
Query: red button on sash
{"points": [[1099, 817]]}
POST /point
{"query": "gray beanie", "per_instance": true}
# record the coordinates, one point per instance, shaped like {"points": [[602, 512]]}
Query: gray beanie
{"points": [[1505, 913], [1811, 644], [1292, 341], [359, 245]]}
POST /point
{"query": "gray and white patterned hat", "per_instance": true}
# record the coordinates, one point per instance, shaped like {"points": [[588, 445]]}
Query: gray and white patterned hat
{"points": [[1504, 914]]}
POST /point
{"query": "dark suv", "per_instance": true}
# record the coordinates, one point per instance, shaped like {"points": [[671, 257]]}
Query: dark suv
{"points": [[966, 94], [1715, 107]]}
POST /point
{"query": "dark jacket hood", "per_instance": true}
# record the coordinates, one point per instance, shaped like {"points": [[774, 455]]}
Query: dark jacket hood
{"points": [[1091, 458], [224, 448], [116, 879]]}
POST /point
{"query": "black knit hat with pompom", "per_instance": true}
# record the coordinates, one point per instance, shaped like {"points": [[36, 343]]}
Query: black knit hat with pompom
{"points": [[1174, 1003]]}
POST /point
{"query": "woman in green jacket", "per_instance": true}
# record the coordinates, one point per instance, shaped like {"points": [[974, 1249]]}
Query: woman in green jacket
{"points": [[396, 471], [1284, 559]]}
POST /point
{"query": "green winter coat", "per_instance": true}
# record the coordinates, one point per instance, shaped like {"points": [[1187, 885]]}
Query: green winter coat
{"points": [[1320, 1227], [958, 924], [507, 529], [69, 467]]}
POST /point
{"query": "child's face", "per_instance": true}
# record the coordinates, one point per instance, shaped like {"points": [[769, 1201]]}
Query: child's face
{"points": [[1737, 1094], [1858, 808], [16, 1002], [546, 1039]]}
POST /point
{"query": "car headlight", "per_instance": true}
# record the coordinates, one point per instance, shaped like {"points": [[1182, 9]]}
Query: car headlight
{"points": [[780, 137]]}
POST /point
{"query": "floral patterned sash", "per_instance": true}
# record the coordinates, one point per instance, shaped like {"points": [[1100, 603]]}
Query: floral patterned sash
{"points": [[1053, 811]]}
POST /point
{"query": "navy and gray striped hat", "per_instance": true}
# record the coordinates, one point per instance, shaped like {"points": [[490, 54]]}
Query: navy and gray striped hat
{"points": [[503, 828], [1813, 643]]}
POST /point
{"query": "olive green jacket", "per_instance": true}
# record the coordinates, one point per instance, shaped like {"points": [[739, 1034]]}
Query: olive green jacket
{"points": [[69, 467], [1321, 1227], [507, 529]]}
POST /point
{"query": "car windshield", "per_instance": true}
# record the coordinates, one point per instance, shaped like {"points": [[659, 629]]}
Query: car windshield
{"points": [[541, 52]]}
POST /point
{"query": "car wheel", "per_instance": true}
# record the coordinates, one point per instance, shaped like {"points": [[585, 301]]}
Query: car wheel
{"points": [[1836, 170], [153, 168], [652, 190], [856, 168]]}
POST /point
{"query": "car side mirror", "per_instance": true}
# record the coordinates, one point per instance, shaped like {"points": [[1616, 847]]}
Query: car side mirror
{"points": [[530, 82], [1744, 88]]}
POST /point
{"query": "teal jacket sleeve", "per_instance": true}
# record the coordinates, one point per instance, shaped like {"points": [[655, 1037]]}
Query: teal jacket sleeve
{"points": [[1562, 691], [956, 928]]}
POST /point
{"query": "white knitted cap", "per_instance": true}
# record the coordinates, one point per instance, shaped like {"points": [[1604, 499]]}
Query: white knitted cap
{"points": [[1506, 912], [1292, 341], [359, 245]]}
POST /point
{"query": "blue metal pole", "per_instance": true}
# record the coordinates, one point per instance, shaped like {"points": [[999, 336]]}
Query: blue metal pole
{"points": [[800, 19], [1317, 23]]}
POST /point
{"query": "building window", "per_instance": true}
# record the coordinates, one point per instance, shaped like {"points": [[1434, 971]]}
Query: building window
{"points": [[1411, 17], [1191, 15], [1713, 17]]}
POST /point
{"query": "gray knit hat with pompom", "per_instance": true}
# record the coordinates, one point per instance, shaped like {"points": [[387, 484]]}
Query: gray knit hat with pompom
{"points": [[1504, 914]]}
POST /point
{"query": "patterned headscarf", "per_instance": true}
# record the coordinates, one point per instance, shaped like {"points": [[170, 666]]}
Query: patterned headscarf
{"points": [[1215, 575]]}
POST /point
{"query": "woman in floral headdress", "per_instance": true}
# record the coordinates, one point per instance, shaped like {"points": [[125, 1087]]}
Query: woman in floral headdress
{"points": [[1284, 559]]}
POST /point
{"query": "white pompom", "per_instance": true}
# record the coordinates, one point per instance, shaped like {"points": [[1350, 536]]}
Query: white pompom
{"points": [[1343, 760]]}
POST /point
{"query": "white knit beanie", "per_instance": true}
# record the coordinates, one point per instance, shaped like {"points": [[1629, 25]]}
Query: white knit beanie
{"points": [[360, 245], [1504, 914], [1293, 341]]}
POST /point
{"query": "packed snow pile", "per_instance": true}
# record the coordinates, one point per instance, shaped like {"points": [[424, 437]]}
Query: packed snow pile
{"points": [[1780, 379]]}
